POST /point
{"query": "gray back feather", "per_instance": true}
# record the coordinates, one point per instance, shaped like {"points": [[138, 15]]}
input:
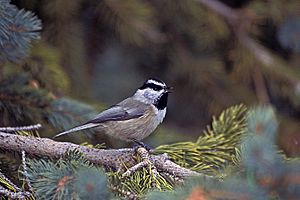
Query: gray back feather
{"points": [[125, 110]]}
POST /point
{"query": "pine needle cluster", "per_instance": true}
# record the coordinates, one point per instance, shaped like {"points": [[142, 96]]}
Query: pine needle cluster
{"points": [[72, 177], [216, 148], [17, 29], [263, 172]]}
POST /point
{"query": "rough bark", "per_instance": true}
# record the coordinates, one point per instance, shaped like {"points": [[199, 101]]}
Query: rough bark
{"points": [[113, 158]]}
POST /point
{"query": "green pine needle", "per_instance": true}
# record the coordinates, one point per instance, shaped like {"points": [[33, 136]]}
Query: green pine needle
{"points": [[140, 182], [216, 148], [72, 177]]}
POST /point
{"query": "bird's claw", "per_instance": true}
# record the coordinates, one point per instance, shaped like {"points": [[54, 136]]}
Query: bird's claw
{"points": [[138, 144]]}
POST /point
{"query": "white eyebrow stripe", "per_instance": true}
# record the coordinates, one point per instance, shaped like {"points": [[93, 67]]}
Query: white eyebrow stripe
{"points": [[156, 83]]}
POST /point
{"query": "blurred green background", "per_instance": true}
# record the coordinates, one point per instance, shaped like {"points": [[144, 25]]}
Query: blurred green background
{"points": [[215, 53]]}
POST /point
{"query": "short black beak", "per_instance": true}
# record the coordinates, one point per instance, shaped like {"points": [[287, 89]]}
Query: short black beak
{"points": [[169, 89]]}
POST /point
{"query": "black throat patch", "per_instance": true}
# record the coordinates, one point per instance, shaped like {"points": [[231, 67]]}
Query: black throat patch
{"points": [[162, 102]]}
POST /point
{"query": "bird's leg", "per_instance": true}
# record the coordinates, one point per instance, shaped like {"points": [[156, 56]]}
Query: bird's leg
{"points": [[139, 144]]}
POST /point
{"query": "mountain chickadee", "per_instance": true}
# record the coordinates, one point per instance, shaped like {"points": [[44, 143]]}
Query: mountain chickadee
{"points": [[134, 118]]}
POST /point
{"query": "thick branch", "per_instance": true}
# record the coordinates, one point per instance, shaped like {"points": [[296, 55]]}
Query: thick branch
{"points": [[114, 158]]}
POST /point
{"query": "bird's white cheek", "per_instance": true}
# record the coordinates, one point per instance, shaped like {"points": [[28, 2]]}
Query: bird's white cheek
{"points": [[149, 95], [146, 94]]}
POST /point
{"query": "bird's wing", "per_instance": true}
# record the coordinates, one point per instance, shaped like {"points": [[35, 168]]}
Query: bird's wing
{"points": [[77, 128], [125, 110]]}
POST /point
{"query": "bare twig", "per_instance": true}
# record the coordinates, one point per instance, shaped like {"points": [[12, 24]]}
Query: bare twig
{"points": [[136, 167], [21, 128], [114, 158], [25, 171], [9, 182], [144, 154], [13, 195], [18, 194]]}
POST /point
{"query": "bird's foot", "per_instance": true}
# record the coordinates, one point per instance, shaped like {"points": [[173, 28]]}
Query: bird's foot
{"points": [[138, 144]]}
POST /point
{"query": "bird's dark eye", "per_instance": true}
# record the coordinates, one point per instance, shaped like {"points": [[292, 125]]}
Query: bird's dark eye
{"points": [[152, 86], [156, 87]]}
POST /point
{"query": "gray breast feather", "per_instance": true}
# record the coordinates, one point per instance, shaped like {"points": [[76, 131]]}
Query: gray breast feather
{"points": [[125, 110]]}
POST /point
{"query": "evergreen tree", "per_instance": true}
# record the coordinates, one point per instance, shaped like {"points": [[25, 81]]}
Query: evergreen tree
{"points": [[236, 157]]}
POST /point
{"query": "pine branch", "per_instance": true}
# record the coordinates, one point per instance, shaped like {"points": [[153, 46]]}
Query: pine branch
{"points": [[17, 29], [263, 173], [216, 148], [71, 177], [22, 103], [270, 61], [132, 20], [113, 158]]}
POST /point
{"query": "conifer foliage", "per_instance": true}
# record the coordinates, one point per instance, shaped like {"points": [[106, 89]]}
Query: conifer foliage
{"points": [[263, 172], [257, 168], [70, 177], [236, 156], [17, 29], [223, 136], [28, 90]]}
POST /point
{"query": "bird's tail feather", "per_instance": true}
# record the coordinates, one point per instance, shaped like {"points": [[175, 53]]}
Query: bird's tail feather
{"points": [[77, 128]]}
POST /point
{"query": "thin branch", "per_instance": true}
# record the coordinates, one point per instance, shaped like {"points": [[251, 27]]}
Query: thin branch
{"points": [[220, 8], [144, 154], [21, 128], [113, 158], [9, 182], [269, 60], [25, 171], [13, 195], [135, 168], [18, 194]]}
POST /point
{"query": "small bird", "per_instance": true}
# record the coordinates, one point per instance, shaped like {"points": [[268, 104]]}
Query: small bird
{"points": [[134, 118]]}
